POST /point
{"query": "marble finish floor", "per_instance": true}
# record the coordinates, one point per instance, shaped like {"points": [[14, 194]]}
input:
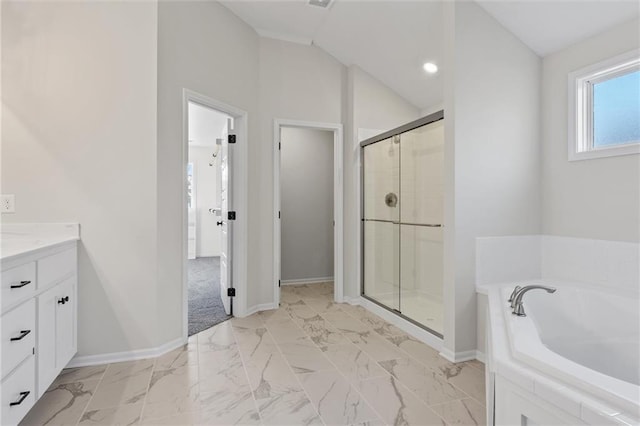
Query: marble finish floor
{"points": [[311, 362]]}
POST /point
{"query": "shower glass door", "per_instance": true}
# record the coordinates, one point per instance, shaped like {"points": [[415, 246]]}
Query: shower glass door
{"points": [[402, 207], [380, 222]]}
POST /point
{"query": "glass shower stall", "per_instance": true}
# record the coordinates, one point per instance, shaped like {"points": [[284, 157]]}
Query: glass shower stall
{"points": [[402, 215]]}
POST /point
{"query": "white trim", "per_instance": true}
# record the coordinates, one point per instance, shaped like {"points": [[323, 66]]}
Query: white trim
{"points": [[239, 168], [307, 281], [352, 300], [462, 356], [83, 361], [262, 307], [580, 106], [419, 333], [480, 356], [338, 213]]}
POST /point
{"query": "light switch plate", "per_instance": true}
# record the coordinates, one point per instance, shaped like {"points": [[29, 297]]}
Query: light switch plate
{"points": [[8, 203]]}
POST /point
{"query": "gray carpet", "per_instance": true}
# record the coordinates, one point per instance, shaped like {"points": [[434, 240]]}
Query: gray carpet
{"points": [[205, 305]]}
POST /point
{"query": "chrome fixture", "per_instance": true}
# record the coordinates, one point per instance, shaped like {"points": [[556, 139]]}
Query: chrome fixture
{"points": [[516, 303], [513, 295], [391, 199]]}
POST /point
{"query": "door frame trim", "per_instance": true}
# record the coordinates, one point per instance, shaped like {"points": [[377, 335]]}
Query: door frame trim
{"points": [[239, 169], [338, 194]]}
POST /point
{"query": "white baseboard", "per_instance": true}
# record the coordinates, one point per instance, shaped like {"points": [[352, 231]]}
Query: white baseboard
{"points": [[262, 307], [83, 361], [351, 300], [481, 357], [306, 281], [419, 333], [461, 356]]}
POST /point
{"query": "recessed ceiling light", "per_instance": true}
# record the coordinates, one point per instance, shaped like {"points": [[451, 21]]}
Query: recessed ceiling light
{"points": [[430, 67]]}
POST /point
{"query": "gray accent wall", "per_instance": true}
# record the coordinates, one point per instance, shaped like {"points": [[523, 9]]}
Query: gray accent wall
{"points": [[306, 203]]}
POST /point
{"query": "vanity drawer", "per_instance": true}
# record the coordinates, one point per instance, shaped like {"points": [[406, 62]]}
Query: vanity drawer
{"points": [[18, 393], [18, 335], [52, 269], [18, 283]]}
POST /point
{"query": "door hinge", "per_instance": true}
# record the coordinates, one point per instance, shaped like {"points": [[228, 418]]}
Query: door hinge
{"points": [[231, 292], [231, 138], [279, 283], [279, 146], [278, 214], [231, 215]]}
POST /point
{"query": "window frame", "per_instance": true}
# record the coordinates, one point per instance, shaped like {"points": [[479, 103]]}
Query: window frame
{"points": [[580, 83]]}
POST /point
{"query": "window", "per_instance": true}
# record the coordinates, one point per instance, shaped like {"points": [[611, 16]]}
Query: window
{"points": [[604, 108]]}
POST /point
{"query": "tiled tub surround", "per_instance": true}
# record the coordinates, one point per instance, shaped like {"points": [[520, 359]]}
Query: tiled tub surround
{"points": [[310, 362], [573, 359]]}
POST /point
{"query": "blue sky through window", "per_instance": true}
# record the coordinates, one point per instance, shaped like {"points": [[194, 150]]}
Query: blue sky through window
{"points": [[616, 110]]}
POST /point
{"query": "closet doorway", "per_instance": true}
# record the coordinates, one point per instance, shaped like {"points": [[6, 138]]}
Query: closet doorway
{"points": [[308, 216]]}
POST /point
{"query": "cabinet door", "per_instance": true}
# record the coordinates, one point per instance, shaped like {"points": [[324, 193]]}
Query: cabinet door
{"points": [[66, 323], [46, 348]]}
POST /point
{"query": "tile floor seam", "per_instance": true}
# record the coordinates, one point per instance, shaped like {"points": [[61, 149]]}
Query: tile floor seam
{"points": [[411, 392], [418, 397], [296, 376], [146, 394], [465, 394], [351, 384], [374, 378], [246, 374], [104, 373]]}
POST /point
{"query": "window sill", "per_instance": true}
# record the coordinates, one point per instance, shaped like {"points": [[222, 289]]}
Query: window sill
{"points": [[613, 151]]}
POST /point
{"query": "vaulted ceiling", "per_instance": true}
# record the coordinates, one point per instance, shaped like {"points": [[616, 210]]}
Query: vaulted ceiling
{"points": [[392, 39]]}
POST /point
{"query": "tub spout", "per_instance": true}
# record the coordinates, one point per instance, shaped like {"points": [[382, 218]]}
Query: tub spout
{"points": [[516, 304]]}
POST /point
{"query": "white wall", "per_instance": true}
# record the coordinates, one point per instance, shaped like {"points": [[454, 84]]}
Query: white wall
{"points": [[598, 198], [306, 203], [370, 105], [297, 82], [207, 195], [215, 38], [492, 153], [79, 144]]}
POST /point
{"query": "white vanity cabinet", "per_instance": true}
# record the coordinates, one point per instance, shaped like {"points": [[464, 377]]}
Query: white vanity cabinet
{"points": [[39, 324]]}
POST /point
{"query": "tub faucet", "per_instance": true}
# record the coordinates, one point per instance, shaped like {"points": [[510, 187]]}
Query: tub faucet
{"points": [[516, 304]]}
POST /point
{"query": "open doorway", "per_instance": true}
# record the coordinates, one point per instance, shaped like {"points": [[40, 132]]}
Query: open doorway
{"points": [[207, 189], [308, 206]]}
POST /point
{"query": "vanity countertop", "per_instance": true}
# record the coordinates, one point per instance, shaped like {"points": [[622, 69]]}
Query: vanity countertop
{"points": [[18, 239]]}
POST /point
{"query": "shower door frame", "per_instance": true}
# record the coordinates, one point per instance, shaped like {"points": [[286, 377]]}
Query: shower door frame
{"points": [[431, 118]]}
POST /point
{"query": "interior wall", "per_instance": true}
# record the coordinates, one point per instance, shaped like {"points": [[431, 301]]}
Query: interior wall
{"points": [[597, 198], [306, 203], [79, 145], [370, 105], [207, 196], [493, 88], [297, 82], [221, 62]]}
